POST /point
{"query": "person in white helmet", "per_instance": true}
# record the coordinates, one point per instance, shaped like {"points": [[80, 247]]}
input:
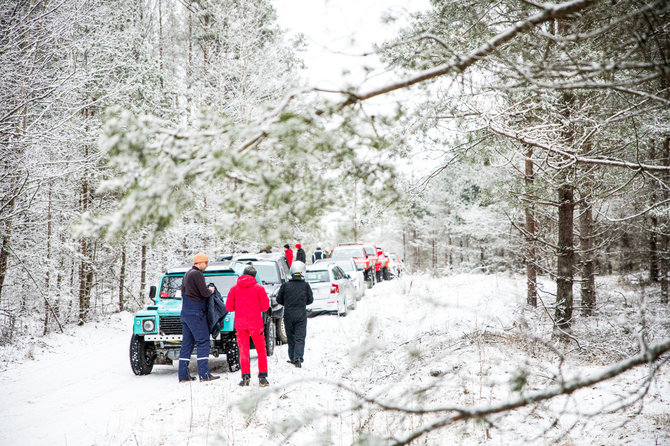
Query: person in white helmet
{"points": [[295, 295]]}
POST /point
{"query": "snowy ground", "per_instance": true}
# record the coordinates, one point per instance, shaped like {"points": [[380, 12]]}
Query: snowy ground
{"points": [[416, 342]]}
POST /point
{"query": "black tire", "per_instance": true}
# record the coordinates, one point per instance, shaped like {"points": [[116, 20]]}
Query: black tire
{"points": [[370, 277], [232, 352], [385, 273], [141, 356], [270, 337], [282, 337]]}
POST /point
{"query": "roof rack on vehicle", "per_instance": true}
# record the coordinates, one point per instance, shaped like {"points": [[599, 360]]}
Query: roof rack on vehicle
{"points": [[212, 267]]}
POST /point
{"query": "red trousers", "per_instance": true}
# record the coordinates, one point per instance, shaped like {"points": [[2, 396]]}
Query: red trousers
{"points": [[259, 342]]}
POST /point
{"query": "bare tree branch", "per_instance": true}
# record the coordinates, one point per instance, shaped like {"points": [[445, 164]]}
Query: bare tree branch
{"points": [[551, 12]]}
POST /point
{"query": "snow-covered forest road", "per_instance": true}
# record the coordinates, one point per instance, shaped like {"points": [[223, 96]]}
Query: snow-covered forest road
{"points": [[77, 388]]}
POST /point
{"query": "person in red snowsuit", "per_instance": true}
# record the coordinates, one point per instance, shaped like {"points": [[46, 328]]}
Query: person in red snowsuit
{"points": [[288, 252], [248, 300]]}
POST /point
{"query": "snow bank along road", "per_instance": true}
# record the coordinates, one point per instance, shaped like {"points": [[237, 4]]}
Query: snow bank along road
{"points": [[78, 389]]}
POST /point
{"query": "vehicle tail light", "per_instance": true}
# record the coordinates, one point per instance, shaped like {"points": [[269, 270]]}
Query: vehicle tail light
{"points": [[165, 294], [334, 288]]}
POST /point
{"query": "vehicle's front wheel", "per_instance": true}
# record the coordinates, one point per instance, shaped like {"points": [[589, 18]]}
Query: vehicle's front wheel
{"points": [[232, 352], [282, 337], [141, 356]]}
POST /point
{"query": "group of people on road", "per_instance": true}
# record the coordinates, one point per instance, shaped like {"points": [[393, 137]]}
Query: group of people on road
{"points": [[248, 300], [300, 254]]}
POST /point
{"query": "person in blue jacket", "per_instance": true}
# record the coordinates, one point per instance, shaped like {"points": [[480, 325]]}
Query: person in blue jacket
{"points": [[195, 332]]}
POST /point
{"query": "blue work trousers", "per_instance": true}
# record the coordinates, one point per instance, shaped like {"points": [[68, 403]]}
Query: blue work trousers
{"points": [[194, 333]]}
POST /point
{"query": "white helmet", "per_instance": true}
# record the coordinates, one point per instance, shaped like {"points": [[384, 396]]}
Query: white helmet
{"points": [[298, 267]]}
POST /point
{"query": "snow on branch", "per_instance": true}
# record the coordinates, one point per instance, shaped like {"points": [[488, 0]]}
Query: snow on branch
{"points": [[550, 12], [574, 158], [460, 413]]}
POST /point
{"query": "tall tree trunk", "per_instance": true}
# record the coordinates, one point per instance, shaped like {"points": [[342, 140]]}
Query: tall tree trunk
{"points": [[85, 268], [664, 260], [189, 66], [84, 292], [355, 225], [4, 249], [47, 280], [417, 257], [531, 250], [653, 224], [566, 256], [122, 278], [588, 283], [143, 272], [160, 38]]}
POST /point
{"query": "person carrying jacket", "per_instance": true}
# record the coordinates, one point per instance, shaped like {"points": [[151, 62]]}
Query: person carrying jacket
{"points": [[300, 253], [216, 311], [249, 300], [288, 252], [195, 332], [295, 295]]}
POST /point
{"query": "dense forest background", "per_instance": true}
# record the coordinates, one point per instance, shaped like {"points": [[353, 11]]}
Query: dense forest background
{"points": [[136, 133]]}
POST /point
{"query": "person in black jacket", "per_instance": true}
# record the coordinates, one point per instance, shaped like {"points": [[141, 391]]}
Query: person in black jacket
{"points": [[295, 295], [318, 255], [300, 253], [194, 296]]}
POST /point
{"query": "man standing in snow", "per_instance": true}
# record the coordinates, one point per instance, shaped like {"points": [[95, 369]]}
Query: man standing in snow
{"points": [[194, 292], [318, 255], [295, 295], [300, 253], [288, 252], [248, 300]]}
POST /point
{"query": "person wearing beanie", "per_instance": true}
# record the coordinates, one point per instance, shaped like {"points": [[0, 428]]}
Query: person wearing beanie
{"points": [[249, 300], [288, 252], [300, 253], [195, 332]]}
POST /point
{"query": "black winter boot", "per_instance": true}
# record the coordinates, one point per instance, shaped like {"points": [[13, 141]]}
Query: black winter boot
{"points": [[246, 378], [263, 380]]}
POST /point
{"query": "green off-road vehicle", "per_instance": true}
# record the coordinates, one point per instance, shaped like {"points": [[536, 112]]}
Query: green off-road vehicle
{"points": [[157, 329]]}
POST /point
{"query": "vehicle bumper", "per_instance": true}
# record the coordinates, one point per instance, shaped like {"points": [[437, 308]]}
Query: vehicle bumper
{"points": [[325, 305]]}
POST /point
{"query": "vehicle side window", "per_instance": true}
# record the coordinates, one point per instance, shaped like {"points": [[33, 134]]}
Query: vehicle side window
{"points": [[336, 273], [283, 266]]}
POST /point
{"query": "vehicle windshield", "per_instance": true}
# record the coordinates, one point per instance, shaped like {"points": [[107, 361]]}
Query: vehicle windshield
{"points": [[370, 250], [266, 273], [346, 265], [345, 253], [317, 276], [171, 285]]}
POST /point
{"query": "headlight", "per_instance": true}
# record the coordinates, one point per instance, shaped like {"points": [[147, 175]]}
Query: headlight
{"points": [[148, 325]]}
